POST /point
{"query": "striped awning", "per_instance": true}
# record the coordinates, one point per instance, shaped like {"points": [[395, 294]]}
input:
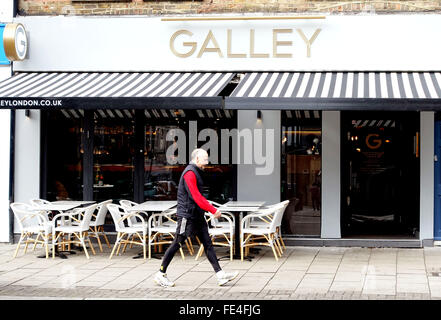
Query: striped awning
{"points": [[337, 90], [156, 114], [117, 90]]}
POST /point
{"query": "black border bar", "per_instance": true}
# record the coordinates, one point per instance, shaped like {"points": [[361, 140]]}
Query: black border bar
{"points": [[54, 103], [332, 104]]}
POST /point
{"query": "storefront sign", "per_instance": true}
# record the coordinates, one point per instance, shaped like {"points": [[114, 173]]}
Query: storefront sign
{"points": [[15, 41], [372, 141], [210, 44], [153, 44]]}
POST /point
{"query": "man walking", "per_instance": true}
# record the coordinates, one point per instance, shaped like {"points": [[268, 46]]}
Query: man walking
{"points": [[191, 221]]}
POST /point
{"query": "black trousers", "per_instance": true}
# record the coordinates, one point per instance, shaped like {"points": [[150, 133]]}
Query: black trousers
{"points": [[187, 228]]}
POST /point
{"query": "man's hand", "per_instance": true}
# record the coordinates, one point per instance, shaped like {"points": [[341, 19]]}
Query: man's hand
{"points": [[217, 214]]}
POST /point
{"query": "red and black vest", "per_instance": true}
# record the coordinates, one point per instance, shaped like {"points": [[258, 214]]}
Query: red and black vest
{"points": [[187, 207]]}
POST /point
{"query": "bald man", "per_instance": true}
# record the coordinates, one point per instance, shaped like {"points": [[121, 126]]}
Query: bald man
{"points": [[191, 209]]}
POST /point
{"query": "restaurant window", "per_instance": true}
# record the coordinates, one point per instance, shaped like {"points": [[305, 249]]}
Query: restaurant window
{"points": [[113, 151], [170, 138], [63, 155], [301, 172], [113, 170]]}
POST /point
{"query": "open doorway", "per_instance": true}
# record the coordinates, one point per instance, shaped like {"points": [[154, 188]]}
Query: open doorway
{"points": [[380, 174]]}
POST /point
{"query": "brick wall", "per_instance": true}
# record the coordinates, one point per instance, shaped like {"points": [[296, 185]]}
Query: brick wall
{"points": [[158, 7]]}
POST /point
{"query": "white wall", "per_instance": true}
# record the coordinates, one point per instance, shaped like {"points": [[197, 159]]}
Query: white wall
{"points": [[5, 127], [331, 174], [260, 187], [5, 136], [27, 157], [141, 43], [427, 152]]}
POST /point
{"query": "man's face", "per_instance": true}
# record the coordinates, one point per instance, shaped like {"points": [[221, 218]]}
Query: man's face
{"points": [[202, 160]]}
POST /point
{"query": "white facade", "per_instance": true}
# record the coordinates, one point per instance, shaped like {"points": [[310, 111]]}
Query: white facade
{"points": [[343, 43], [6, 15], [396, 42]]}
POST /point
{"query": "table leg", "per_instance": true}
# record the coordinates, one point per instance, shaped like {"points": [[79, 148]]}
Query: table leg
{"points": [[236, 255]]}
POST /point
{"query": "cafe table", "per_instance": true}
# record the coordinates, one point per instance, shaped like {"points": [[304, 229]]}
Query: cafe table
{"points": [[150, 207], [239, 208], [153, 206], [61, 206]]}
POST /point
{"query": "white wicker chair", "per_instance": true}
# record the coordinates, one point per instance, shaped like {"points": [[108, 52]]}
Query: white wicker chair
{"points": [[31, 222], [80, 230], [119, 215], [132, 221], [97, 223], [162, 229], [260, 222], [39, 202], [250, 235], [220, 229]]}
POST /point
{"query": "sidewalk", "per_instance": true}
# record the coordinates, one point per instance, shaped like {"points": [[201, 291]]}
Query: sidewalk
{"points": [[304, 273]]}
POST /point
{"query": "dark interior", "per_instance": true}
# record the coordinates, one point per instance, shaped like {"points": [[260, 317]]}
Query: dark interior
{"points": [[380, 174]]}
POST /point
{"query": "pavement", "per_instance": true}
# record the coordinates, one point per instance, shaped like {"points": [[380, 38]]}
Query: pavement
{"points": [[302, 273]]}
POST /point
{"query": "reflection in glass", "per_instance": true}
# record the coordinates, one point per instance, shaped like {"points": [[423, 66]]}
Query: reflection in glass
{"points": [[380, 168], [301, 172], [113, 159], [161, 173], [164, 162], [64, 158]]}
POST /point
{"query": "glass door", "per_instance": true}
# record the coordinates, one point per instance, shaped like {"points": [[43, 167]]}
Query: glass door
{"points": [[113, 153], [63, 155], [301, 172], [380, 174]]}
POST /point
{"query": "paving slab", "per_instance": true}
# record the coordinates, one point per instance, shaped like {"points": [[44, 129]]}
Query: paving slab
{"points": [[315, 283], [251, 282], [380, 285], [302, 273]]}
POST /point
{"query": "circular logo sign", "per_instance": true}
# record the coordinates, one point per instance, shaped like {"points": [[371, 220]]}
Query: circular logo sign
{"points": [[15, 41], [373, 143]]}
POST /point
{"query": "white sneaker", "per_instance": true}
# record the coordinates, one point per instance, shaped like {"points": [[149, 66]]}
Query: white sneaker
{"points": [[162, 280], [223, 277]]}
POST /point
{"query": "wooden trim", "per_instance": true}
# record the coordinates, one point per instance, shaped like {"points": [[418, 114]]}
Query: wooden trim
{"points": [[244, 18]]}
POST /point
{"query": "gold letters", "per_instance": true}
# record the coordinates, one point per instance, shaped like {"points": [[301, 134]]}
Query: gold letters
{"points": [[281, 43], [377, 142], [229, 45], [187, 44], [193, 45], [310, 41], [204, 48], [252, 54]]}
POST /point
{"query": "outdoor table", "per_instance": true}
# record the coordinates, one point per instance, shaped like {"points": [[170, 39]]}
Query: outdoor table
{"points": [[75, 203], [58, 206], [152, 206], [238, 208], [61, 206]]}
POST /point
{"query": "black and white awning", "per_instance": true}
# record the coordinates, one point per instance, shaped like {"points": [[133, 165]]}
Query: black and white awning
{"points": [[116, 90], [154, 114], [204, 90], [337, 90]]}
